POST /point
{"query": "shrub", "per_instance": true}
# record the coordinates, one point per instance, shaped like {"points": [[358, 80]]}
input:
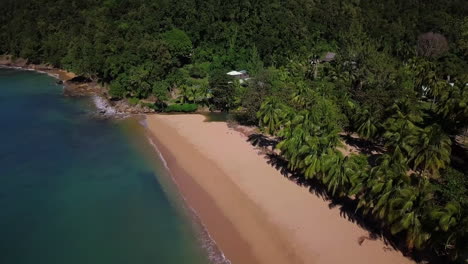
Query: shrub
{"points": [[117, 90], [160, 90], [159, 106], [184, 108], [149, 105], [454, 186], [133, 101], [197, 72]]}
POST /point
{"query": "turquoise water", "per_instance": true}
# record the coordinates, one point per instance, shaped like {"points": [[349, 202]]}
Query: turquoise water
{"points": [[79, 189]]}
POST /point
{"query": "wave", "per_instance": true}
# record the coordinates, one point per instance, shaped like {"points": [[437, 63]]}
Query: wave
{"points": [[215, 255], [160, 154], [104, 107], [53, 75]]}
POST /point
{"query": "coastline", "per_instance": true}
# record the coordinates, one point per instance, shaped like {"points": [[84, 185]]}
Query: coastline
{"points": [[228, 235], [22, 64], [236, 211], [77, 86], [255, 214]]}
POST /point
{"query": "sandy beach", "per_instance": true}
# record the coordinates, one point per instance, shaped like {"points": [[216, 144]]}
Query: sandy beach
{"points": [[255, 214]]}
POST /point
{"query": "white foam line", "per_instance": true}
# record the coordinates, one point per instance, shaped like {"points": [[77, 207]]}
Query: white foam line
{"points": [[145, 125], [208, 244], [53, 75], [160, 156]]}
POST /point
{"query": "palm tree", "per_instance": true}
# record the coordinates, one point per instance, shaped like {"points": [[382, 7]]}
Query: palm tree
{"points": [[456, 242], [335, 171], [408, 210], [431, 150], [302, 96], [453, 107], [302, 149], [403, 122], [400, 129], [305, 139], [367, 125], [187, 94], [447, 216], [424, 73], [383, 184], [342, 173], [296, 145], [359, 176], [271, 115]]}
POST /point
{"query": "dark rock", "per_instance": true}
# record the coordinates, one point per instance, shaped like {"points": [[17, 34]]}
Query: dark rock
{"points": [[80, 79]]}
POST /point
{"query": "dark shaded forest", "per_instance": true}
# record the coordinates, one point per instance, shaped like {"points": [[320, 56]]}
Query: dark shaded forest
{"points": [[321, 73]]}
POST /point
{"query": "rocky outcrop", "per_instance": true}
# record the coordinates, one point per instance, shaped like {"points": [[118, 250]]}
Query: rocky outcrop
{"points": [[77, 86], [82, 89], [123, 106]]}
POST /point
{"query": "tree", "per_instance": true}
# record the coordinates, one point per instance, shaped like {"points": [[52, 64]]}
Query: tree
{"points": [[463, 41], [431, 150], [117, 89], [452, 107], [408, 210], [341, 173], [179, 44], [222, 88], [256, 92], [401, 126], [432, 44], [270, 115], [161, 90], [447, 216], [367, 125], [382, 186]]}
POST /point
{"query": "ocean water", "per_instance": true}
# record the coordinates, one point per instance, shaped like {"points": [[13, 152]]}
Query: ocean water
{"points": [[75, 188]]}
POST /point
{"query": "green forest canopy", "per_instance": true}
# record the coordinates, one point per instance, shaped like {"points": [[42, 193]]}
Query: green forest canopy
{"points": [[398, 81]]}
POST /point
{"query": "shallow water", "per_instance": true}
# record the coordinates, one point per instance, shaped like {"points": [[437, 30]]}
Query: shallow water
{"points": [[79, 189]]}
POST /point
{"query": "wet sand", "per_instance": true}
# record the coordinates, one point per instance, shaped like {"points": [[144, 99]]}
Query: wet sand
{"points": [[254, 213]]}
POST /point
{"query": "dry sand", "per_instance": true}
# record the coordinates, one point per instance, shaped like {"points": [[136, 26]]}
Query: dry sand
{"points": [[254, 213]]}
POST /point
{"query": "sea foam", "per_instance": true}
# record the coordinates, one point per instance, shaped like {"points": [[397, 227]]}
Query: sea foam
{"points": [[103, 106]]}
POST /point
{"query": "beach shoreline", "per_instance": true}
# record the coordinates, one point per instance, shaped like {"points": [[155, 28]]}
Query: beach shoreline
{"points": [[216, 171], [229, 237], [78, 86], [8, 62], [254, 214]]}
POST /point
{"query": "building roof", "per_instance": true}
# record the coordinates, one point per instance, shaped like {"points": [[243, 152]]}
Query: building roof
{"points": [[234, 73], [329, 56]]}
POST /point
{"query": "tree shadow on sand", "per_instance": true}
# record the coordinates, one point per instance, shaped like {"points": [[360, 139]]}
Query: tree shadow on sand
{"points": [[362, 145], [346, 205]]}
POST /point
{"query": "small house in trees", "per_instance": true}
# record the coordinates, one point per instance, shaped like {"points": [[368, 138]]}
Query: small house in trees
{"points": [[242, 76], [316, 61], [328, 57]]}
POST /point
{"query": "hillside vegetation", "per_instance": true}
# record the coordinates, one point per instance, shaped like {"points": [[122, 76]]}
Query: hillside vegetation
{"points": [[397, 86]]}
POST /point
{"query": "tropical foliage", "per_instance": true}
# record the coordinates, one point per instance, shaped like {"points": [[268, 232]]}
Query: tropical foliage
{"points": [[397, 82]]}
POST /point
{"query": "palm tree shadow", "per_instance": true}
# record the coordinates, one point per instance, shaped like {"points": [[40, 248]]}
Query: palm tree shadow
{"points": [[362, 145], [262, 141], [346, 205]]}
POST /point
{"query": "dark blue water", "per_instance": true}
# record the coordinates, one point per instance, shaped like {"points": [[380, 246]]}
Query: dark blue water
{"points": [[78, 189]]}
